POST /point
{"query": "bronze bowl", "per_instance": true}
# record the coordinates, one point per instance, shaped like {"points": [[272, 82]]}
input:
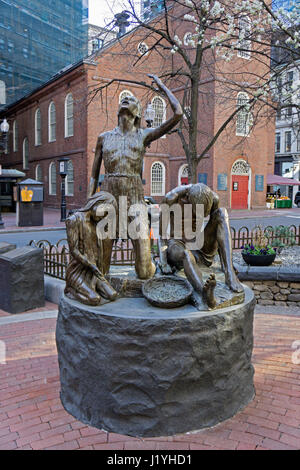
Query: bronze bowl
{"points": [[167, 291]]}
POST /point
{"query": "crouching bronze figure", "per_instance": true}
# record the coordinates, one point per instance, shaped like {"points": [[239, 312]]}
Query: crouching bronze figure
{"points": [[85, 280]]}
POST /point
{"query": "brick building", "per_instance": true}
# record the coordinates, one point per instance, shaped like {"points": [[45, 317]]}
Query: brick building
{"points": [[63, 118]]}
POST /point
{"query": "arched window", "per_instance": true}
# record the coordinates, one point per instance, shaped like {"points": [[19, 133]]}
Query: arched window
{"points": [[70, 179], [159, 106], [244, 117], [25, 154], [2, 92], [157, 179], [241, 168], [15, 136], [38, 127], [123, 95], [244, 26], [183, 175], [52, 122], [52, 179], [39, 173], [69, 118]]}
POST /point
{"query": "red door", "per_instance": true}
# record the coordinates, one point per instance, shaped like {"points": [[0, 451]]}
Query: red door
{"points": [[239, 191]]}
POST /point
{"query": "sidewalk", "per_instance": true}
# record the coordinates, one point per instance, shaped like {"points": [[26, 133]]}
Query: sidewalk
{"points": [[32, 417], [51, 222], [52, 218]]}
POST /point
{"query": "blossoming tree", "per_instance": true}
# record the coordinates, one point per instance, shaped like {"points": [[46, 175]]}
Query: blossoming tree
{"points": [[200, 44]]}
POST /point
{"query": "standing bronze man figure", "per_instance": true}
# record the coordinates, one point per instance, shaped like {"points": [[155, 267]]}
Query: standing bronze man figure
{"points": [[122, 151]]}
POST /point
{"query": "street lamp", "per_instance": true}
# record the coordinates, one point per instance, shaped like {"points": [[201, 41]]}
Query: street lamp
{"points": [[149, 115], [4, 127], [63, 171]]}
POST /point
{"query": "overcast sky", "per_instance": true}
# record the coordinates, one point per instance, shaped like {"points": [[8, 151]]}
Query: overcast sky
{"points": [[101, 12]]}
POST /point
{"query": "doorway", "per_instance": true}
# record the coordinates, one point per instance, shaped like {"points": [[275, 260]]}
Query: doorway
{"points": [[240, 179]]}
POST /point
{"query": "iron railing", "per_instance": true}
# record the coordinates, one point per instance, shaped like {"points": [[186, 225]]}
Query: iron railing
{"points": [[56, 257]]}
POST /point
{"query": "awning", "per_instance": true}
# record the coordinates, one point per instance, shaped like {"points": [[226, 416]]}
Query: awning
{"points": [[281, 180]]}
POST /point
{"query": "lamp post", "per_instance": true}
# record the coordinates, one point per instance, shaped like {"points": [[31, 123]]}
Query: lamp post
{"points": [[4, 127], [63, 170]]}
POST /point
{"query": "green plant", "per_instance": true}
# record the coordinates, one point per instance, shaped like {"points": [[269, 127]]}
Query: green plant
{"points": [[259, 245], [281, 237]]}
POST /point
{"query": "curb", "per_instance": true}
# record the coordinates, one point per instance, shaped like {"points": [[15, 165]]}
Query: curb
{"points": [[31, 229]]}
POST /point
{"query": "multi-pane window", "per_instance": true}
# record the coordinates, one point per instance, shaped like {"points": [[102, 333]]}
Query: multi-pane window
{"points": [[160, 111], [287, 141], [39, 173], [157, 179], [277, 142], [52, 122], [52, 179], [38, 127], [69, 117], [243, 118], [123, 95], [70, 179], [15, 136], [244, 26], [25, 154]]}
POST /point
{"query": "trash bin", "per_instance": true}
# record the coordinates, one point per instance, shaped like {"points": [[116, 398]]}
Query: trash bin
{"points": [[30, 203]]}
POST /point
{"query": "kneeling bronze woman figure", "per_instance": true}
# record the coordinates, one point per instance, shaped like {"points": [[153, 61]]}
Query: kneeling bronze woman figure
{"points": [[85, 281]]}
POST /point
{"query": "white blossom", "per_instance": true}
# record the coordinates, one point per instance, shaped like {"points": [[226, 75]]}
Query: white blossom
{"points": [[217, 9], [190, 18]]}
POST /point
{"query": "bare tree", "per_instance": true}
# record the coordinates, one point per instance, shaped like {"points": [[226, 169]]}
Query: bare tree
{"points": [[197, 43]]}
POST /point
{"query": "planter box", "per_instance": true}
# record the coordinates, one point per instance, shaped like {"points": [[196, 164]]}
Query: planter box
{"points": [[259, 260]]}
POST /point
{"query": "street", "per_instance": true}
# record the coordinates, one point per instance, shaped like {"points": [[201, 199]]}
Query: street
{"points": [[21, 238]]}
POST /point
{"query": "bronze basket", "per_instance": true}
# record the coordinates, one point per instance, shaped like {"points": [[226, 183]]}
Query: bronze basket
{"points": [[167, 291]]}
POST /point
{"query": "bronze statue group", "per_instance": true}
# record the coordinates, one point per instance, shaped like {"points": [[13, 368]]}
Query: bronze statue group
{"points": [[122, 151]]}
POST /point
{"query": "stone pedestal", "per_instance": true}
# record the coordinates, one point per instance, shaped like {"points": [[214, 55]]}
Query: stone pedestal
{"points": [[130, 368], [22, 279]]}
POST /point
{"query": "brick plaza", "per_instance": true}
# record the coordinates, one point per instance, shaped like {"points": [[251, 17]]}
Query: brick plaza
{"points": [[32, 417]]}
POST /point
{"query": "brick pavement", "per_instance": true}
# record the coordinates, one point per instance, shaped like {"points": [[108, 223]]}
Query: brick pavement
{"points": [[32, 417]]}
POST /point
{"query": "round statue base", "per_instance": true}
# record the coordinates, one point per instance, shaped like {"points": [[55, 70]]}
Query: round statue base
{"points": [[133, 369]]}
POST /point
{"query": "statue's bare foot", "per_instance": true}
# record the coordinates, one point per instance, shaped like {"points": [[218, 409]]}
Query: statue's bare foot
{"points": [[208, 291], [107, 291], [233, 283]]}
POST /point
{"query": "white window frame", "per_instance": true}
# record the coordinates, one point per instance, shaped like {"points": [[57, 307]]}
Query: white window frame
{"points": [[181, 171], [155, 192], [25, 153], [145, 46], [243, 116], [124, 93], [244, 24], [51, 125], [38, 131], [15, 136], [37, 168], [52, 193], [157, 124], [69, 118], [68, 180]]}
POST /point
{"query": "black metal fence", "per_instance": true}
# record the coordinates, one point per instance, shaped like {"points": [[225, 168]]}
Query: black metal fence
{"points": [[56, 257]]}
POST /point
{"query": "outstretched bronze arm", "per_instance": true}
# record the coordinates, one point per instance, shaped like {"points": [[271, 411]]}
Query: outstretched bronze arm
{"points": [[156, 133]]}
